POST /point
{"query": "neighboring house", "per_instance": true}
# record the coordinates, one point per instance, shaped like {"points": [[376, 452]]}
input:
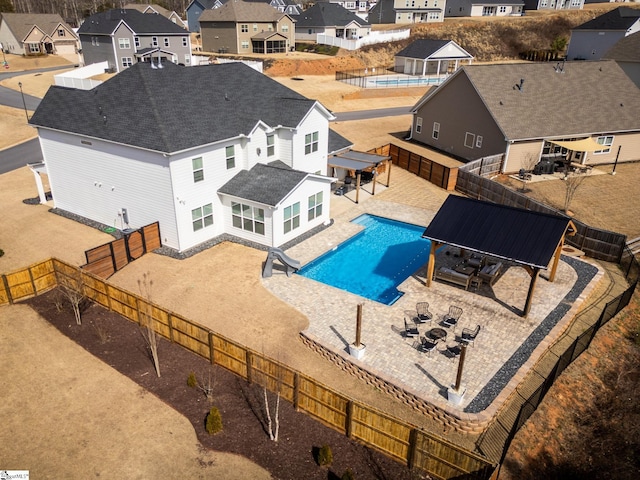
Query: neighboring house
{"points": [[627, 54], [157, 9], [431, 57], [592, 39], [37, 34], [484, 8], [533, 111], [246, 27], [407, 11], [204, 150], [330, 19], [553, 4], [290, 7], [358, 7], [195, 9], [125, 37]]}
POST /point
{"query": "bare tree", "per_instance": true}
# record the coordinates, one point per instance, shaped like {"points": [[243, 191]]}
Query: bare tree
{"points": [[572, 182], [272, 420], [206, 384], [72, 288], [147, 322]]}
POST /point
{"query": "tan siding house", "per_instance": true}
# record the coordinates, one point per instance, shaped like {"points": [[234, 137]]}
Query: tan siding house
{"points": [[534, 114], [241, 27], [38, 34]]}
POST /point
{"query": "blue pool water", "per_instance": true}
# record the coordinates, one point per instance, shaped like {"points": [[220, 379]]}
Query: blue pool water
{"points": [[375, 261]]}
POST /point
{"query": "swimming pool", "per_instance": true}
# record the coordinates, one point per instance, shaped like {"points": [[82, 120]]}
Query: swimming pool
{"points": [[375, 261]]}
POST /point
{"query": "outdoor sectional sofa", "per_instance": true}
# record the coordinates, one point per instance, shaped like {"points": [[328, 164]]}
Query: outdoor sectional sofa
{"points": [[451, 276], [490, 273]]}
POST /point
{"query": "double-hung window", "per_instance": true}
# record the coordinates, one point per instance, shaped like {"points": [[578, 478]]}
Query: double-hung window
{"points": [[185, 42], [291, 217], [136, 41], [202, 217], [198, 170], [315, 206], [310, 143], [247, 217], [435, 133], [244, 28], [469, 139], [124, 43], [606, 141], [230, 152], [154, 41], [166, 42], [271, 145], [127, 62], [418, 124]]}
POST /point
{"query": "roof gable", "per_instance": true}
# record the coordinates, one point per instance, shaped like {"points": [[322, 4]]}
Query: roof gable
{"points": [[426, 48], [105, 23], [143, 107], [626, 49], [21, 24], [265, 184], [620, 18], [239, 11], [545, 100], [328, 15]]}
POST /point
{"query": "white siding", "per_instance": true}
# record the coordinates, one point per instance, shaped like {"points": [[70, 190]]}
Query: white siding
{"points": [[97, 181], [316, 161], [266, 239]]}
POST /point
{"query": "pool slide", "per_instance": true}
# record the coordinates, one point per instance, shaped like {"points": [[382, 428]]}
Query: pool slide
{"points": [[291, 265]]}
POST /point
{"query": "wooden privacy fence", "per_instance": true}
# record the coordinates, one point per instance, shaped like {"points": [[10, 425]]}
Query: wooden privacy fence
{"points": [[391, 436], [107, 259], [595, 242], [440, 175]]}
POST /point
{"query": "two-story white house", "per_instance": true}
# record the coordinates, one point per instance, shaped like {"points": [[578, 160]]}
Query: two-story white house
{"points": [[124, 37], [206, 151], [407, 11]]}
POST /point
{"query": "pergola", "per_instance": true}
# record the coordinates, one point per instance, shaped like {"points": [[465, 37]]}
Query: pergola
{"points": [[359, 162], [531, 239]]}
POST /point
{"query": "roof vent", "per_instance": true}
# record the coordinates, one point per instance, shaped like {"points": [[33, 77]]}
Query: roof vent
{"points": [[520, 86], [559, 68], [104, 119], [226, 97]]}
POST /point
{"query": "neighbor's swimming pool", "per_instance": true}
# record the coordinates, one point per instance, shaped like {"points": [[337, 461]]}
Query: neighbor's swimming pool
{"points": [[375, 261]]}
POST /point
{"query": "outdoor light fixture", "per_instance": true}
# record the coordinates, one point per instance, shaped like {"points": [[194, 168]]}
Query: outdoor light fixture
{"points": [[23, 102]]}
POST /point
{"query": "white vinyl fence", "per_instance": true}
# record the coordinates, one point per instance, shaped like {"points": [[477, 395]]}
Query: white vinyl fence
{"points": [[79, 77], [373, 37]]}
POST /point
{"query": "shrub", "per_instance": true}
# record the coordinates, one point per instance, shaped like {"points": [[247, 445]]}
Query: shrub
{"points": [[214, 421], [347, 475], [325, 456], [1, 252], [191, 380]]}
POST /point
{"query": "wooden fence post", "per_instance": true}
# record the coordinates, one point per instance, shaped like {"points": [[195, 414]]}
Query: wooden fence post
{"points": [[413, 447], [170, 323], [5, 282], [349, 419], [296, 391], [248, 357], [212, 357], [33, 283]]}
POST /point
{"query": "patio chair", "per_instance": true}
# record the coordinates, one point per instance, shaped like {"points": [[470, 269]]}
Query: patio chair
{"points": [[451, 319], [424, 315], [452, 351], [469, 336], [410, 329], [427, 345]]}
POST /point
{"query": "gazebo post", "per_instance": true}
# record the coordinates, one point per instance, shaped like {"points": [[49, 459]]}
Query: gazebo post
{"points": [[375, 180], [389, 163], [358, 174], [556, 260], [431, 263], [532, 286]]}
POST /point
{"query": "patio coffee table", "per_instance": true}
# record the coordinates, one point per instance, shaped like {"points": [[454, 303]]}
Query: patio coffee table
{"points": [[437, 334], [465, 270]]}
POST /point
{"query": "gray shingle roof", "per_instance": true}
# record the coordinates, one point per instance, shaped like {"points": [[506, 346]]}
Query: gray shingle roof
{"points": [[553, 104], [337, 142], [620, 18], [173, 108], [626, 49], [22, 23], [328, 15], [423, 48], [239, 11], [105, 23], [266, 184]]}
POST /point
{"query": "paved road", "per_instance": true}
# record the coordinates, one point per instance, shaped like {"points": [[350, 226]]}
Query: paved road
{"points": [[20, 155], [367, 114], [12, 98]]}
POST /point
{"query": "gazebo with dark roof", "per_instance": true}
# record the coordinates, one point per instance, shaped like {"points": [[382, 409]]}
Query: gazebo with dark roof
{"points": [[530, 239]]}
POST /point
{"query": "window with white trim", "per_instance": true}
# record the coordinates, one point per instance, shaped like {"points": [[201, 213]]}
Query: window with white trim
{"points": [[435, 133], [469, 139], [502, 9], [244, 28], [198, 169], [271, 145], [185, 42], [244, 44], [127, 61], [285, 28], [34, 48], [291, 217], [247, 217], [479, 141], [576, 3], [202, 217], [124, 43], [350, 5], [310, 143], [166, 42], [418, 124], [136, 41], [434, 15], [187, 59], [61, 32], [230, 152], [154, 41], [606, 141], [255, 27], [315, 206]]}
